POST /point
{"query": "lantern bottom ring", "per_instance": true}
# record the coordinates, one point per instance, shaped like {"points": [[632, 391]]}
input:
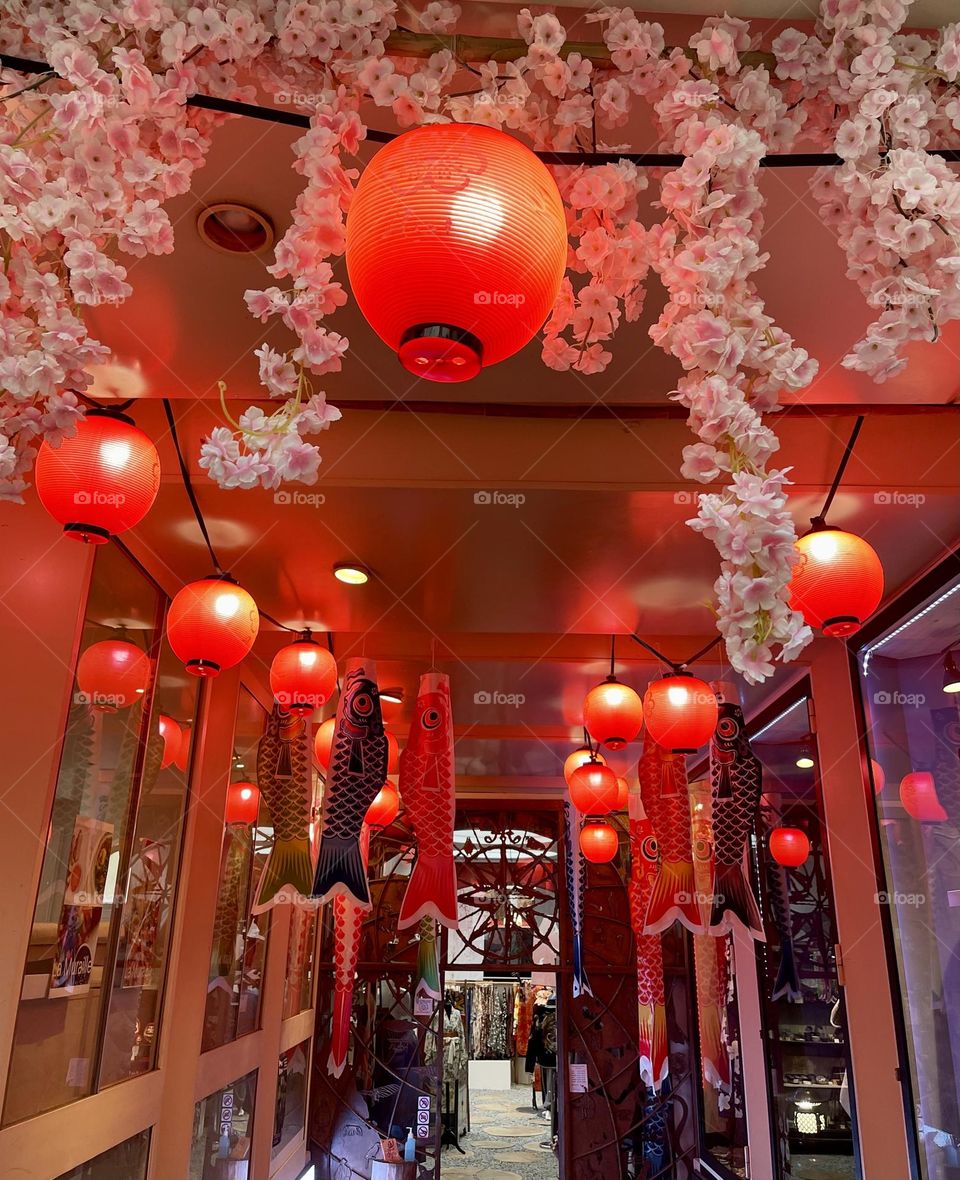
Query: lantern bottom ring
{"points": [[615, 743], [440, 352], [205, 668], [90, 534], [841, 625]]}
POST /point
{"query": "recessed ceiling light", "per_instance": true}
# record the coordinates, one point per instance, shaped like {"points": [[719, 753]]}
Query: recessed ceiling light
{"points": [[804, 761], [951, 673], [351, 573], [235, 229], [393, 696]]}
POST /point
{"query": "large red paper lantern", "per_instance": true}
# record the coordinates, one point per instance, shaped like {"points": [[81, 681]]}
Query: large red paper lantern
{"points": [[789, 846], [172, 736], [599, 843], [594, 789], [212, 624], [613, 713], [112, 674], [577, 758], [102, 481], [918, 794], [681, 712], [838, 582], [456, 246], [323, 743], [303, 676], [243, 803], [384, 809]]}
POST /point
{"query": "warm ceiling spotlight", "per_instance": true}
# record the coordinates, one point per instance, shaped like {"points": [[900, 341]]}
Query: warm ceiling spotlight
{"points": [[303, 676], [103, 480], [350, 573], [577, 758], [456, 247], [789, 847], [235, 229], [243, 803], [599, 843], [391, 703], [613, 713], [681, 712], [384, 809], [838, 582], [111, 674], [804, 760], [951, 673], [212, 625]]}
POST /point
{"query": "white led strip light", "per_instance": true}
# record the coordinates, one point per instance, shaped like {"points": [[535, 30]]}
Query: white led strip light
{"points": [[868, 652]]}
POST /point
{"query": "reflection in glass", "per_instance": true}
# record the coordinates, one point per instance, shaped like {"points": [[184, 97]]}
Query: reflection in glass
{"points": [[222, 1131], [291, 1106], [298, 982], [913, 734], [103, 907], [125, 1161]]}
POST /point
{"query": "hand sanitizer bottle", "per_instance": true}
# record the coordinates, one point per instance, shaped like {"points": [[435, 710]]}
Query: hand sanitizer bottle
{"points": [[410, 1147]]}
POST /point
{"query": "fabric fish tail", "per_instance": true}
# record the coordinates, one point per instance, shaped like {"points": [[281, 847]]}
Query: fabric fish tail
{"points": [[787, 983], [290, 866], [661, 1053], [732, 895], [340, 1032], [341, 872], [673, 898], [432, 889], [347, 932], [428, 964]]}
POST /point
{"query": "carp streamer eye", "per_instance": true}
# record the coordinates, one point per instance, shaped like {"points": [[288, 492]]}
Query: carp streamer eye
{"points": [[363, 704], [431, 718], [701, 849], [648, 848], [727, 728]]}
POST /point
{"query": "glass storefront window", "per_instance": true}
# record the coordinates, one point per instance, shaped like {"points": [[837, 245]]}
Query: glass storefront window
{"points": [[291, 1107], [92, 984], [804, 1018], [223, 1130], [298, 982], [125, 1161], [913, 736], [238, 953]]}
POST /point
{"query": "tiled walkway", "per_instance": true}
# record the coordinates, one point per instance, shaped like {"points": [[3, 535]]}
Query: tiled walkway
{"points": [[504, 1140]]}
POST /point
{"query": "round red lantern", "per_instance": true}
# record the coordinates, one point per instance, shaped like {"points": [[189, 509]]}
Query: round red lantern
{"points": [[578, 758], [613, 713], [112, 674], [393, 753], [212, 624], [243, 803], [594, 789], [599, 843], [384, 809], [623, 795], [918, 794], [681, 712], [879, 778], [456, 246], [172, 736], [323, 743], [303, 676], [789, 846], [102, 481], [838, 582]]}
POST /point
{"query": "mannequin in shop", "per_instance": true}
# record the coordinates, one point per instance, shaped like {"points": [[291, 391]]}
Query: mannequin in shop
{"points": [[542, 1050], [454, 1071]]}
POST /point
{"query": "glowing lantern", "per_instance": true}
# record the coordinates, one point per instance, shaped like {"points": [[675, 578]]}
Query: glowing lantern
{"points": [[172, 736], [789, 846], [102, 481], [243, 803], [594, 789], [837, 583], [623, 795], [578, 758], [393, 753], [112, 674], [456, 246], [383, 810], [599, 843], [681, 712], [323, 742], [303, 676], [613, 714], [879, 778], [211, 625], [918, 794]]}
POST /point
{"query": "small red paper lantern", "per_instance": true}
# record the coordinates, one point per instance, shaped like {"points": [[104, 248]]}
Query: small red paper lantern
{"points": [[594, 789], [112, 674], [172, 736], [578, 758], [303, 676], [838, 582], [212, 624], [243, 803], [918, 794], [323, 743], [599, 843], [393, 753], [789, 846], [613, 713], [879, 778], [681, 712], [456, 247], [384, 809], [102, 481], [623, 795]]}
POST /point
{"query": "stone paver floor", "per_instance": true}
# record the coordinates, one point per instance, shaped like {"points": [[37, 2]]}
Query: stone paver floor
{"points": [[504, 1140]]}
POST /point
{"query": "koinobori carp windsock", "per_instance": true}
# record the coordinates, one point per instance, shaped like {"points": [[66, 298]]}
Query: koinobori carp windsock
{"points": [[347, 930], [654, 1060], [358, 769], [428, 790]]}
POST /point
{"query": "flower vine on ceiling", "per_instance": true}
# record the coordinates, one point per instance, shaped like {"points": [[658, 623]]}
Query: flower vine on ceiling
{"points": [[92, 150]]}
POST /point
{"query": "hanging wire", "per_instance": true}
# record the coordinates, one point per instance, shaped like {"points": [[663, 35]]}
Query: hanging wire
{"points": [[188, 487], [834, 487]]}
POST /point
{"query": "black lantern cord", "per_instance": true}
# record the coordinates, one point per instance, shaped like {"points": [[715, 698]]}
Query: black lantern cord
{"points": [[111, 408], [227, 106], [835, 486], [676, 665]]}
